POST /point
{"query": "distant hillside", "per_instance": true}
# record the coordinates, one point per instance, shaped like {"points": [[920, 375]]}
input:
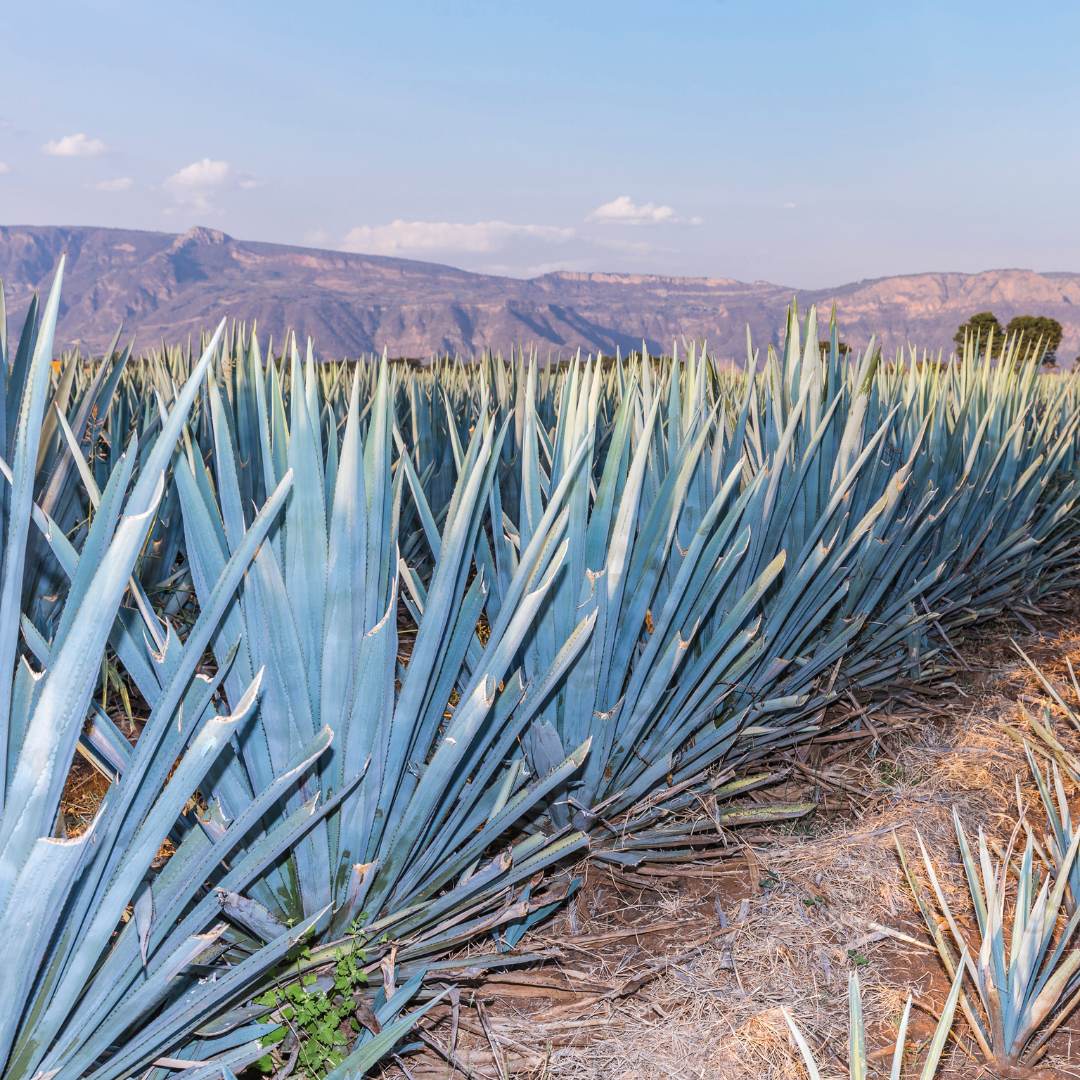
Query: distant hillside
{"points": [[164, 286]]}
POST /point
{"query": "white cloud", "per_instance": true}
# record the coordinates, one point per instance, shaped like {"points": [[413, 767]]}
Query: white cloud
{"points": [[77, 145], [789, 206], [193, 185], [5, 168], [401, 237], [200, 175], [622, 210], [117, 183]]}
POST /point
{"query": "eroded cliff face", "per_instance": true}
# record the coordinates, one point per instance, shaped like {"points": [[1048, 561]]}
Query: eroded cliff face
{"points": [[162, 286]]}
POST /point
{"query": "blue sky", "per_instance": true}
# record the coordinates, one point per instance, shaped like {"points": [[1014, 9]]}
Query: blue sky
{"points": [[807, 144]]}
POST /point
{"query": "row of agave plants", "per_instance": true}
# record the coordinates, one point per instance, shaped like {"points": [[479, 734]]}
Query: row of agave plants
{"points": [[412, 640]]}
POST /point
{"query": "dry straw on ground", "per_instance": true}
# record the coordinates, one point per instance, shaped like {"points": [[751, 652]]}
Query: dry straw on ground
{"points": [[682, 975]]}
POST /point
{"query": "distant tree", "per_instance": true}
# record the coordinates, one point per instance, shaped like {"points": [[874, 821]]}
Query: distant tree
{"points": [[1035, 328], [980, 326], [842, 347]]}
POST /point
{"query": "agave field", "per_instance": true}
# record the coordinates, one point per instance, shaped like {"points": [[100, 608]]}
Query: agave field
{"points": [[409, 642]]}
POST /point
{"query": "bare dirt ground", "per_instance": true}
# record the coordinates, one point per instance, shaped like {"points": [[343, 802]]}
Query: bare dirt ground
{"points": [[683, 973]]}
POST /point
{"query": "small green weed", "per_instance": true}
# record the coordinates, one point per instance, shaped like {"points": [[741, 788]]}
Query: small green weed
{"points": [[324, 1021]]}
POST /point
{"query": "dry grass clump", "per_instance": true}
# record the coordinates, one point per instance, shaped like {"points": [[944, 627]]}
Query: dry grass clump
{"points": [[83, 793]]}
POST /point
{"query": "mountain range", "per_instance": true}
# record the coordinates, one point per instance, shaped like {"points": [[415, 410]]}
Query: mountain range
{"points": [[161, 286]]}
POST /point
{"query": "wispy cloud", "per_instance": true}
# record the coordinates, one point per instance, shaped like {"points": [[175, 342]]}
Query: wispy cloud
{"points": [[401, 237], [194, 185], [78, 145], [117, 183], [622, 210], [5, 168]]}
